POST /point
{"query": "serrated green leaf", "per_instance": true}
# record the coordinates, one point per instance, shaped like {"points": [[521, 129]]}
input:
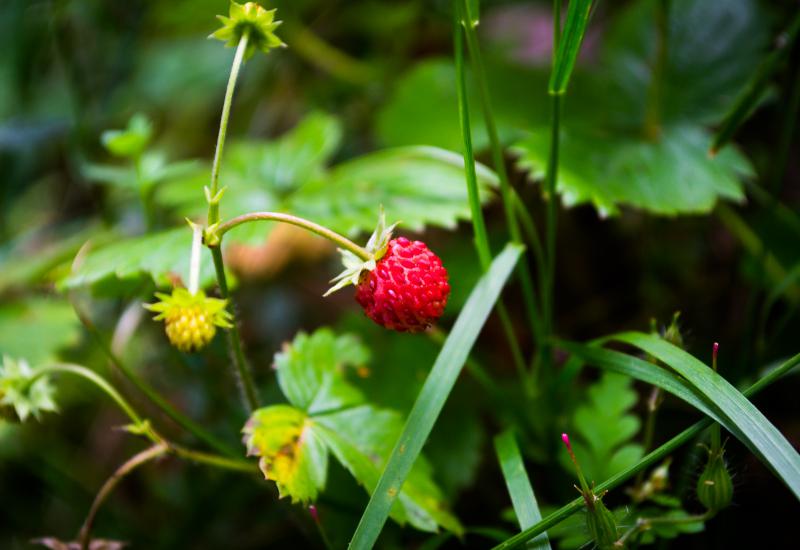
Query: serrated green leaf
{"points": [[37, 329], [603, 426], [160, 256], [310, 371], [418, 186], [673, 175], [362, 438], [289, 451]]}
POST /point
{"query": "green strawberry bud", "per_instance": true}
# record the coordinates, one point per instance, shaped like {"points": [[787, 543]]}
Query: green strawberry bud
{"points": [[601, 524], [715, 487]]}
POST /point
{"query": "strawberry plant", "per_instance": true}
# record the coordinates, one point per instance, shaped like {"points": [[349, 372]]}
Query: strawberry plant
{"points": [[516, 191]]}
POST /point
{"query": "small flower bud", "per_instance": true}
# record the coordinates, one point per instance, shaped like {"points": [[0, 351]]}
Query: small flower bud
{"points": [[715, 487]]}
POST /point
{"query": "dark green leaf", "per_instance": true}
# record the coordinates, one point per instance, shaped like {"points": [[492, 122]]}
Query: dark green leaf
{"points": [[433, 395]]}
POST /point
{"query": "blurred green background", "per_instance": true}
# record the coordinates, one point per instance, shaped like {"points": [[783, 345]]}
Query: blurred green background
{"points": [[376, 74]]}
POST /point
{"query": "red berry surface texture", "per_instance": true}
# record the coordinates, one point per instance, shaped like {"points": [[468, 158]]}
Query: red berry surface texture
{"points": [[408, 289]]}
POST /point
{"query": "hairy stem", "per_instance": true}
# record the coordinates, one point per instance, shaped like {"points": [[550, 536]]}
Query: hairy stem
{"points": [[651, 458], [151, 453], [315, 228], [245, 377], [157, 399]]}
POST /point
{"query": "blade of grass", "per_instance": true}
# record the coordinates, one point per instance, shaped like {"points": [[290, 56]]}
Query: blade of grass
{"points": [[519, 486], [569, 44], [769, 443], [651, 458], [749, 98], [433, 395]]}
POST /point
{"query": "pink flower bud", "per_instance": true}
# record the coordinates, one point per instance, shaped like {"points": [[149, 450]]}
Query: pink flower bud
{"points": [[314, 514], [565, 439]]}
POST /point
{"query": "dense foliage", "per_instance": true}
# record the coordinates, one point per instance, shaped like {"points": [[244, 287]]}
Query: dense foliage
{"points": [[611, 187]]}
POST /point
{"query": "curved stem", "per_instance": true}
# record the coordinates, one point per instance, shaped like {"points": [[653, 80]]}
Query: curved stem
{"points": [[315, 228], [213, 207], [223, 462], [151, 453], [245, 377], [95, 379], [157, 399]]}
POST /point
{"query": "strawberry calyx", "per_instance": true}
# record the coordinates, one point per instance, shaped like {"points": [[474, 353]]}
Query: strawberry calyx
{"points": [[355, 267]]}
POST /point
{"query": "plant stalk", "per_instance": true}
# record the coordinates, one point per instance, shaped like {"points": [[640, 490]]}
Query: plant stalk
{"points": [[481, 238], [551, 178], [213, 206], [315, 228]]}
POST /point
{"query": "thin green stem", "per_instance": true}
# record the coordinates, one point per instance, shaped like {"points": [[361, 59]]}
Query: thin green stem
{"points": [[481, 238], [223, 462], [498, 159], [151, 453], [551, 178], [95, 379], [245, 377], [213, 207], [315, 228], [556, 29], [651, 458], [652, 123], [157, 399]]}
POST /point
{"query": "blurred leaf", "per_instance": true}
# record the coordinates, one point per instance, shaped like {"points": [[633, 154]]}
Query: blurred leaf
{"points": [[310, 370], [290, 452], [152, 169], [162, 256], [130, 142], [603, 428], [37, 329], [671, 176], [712, 49], [418, 186]]}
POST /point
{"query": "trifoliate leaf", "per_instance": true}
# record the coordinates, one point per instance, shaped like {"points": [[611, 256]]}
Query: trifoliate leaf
{"points": [[290, 452], [250, 18], [311, 370], [21, 389], [603, 428], [329, 415]]}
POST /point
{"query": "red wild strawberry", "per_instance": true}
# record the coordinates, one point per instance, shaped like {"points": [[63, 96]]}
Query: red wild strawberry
{"points": [[408, 289]]}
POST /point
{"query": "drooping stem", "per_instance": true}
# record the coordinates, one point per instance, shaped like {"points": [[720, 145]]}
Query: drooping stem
{"points": [[151, 453], [244, 376], [498, 159], [95, 379], [481, 238], [213, 206], [651, 458], [156, 398], [324, 232]]}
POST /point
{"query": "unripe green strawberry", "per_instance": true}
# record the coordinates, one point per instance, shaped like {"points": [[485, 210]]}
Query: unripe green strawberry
{"points": [[715, 486], [191, 320]]}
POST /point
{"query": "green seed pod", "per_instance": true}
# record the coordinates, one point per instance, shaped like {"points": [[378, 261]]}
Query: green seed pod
{"points": [[601, 524], [715, 487]]}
